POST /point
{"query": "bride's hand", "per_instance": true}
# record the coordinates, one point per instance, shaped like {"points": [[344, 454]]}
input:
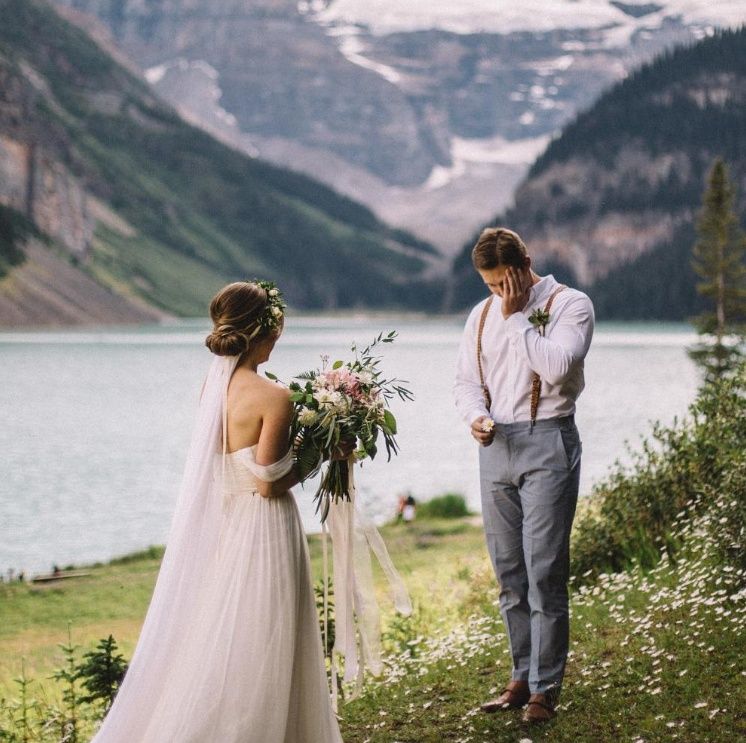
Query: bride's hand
{"points": [[344, 449]]}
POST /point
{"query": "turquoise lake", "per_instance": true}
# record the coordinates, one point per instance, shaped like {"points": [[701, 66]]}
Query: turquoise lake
{"points": [[95, 423]]}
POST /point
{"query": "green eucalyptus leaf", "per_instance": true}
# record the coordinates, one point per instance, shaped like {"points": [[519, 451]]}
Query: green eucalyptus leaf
{"points": [[389, 421]]}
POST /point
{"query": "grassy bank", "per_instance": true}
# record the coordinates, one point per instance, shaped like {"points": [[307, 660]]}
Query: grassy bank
{"points": [[658, 610], [436, 558], [657, 655]]}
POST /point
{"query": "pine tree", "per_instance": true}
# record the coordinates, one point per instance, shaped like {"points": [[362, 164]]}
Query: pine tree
{"points": [[101, 672], [719, 261]]}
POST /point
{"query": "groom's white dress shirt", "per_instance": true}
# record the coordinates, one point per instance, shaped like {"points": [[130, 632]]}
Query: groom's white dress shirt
{"points": [[513, 349]]}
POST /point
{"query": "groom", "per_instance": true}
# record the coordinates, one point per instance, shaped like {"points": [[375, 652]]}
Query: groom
{"points": [[519, 373]]}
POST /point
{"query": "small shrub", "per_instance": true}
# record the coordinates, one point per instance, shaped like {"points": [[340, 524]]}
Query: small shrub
{"points": [[681, 471], [67, 676], [448, 506], [72, 717], [153, 552], [101, 672]]}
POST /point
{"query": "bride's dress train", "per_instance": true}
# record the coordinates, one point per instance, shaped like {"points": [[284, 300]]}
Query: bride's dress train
{"points": [[265, 681], [231, 649]]}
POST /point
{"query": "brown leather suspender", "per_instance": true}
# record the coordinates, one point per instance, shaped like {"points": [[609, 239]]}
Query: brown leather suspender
{"points": [[482, 319], [536, 379]]}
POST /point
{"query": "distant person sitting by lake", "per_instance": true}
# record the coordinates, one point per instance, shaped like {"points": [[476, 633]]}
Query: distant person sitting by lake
{"points": [[409, 510], [406, 509]]}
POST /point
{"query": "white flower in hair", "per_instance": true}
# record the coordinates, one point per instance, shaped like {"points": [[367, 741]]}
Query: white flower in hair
{"points": [[274, 310]]}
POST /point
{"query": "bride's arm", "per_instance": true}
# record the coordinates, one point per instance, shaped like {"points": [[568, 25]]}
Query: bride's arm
{"points": [[273, 443]]}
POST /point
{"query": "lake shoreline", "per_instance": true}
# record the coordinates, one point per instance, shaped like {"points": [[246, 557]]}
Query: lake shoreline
{"points": [[98, 421]]}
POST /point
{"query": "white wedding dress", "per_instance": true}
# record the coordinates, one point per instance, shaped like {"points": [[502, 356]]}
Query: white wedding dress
{"points": [[230, 651]]}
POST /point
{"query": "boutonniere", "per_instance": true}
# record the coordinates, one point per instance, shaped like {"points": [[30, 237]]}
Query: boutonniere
{"points": [[539, 319]]}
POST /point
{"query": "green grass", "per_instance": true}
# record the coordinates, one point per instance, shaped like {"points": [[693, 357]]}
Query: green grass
{"points": [[114, 598], [656, 656]]}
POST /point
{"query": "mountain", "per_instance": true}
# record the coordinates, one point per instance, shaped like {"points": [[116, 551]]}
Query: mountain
{"points": [[106, 189], [429, 113], [611, 203]]}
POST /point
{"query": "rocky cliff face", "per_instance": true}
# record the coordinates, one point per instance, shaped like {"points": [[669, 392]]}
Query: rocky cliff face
{"points": [[33, 180], [564, 214], [429, 113]]}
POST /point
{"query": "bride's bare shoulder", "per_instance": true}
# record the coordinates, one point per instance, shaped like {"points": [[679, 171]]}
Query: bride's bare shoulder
{"points": [[252, 390]]}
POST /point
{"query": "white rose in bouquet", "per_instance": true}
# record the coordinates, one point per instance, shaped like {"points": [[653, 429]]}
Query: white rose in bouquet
{"points": [[307, 417]]}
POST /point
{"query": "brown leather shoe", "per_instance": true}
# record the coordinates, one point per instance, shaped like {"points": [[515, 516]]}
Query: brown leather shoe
{"points": [[539, 709], [513, 696]]}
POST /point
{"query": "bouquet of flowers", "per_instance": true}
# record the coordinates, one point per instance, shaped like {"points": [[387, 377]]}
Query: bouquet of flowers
{"points": [[344, 402]]}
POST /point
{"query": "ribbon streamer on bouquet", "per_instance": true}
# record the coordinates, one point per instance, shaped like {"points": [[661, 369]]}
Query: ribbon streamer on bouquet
{"points": [[357, 625]]}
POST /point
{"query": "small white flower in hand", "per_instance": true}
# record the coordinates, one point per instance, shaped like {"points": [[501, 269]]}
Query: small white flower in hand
{"points": [[487, 425]]}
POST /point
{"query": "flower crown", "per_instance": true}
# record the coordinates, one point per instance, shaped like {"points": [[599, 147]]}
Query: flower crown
{"points": [[273, 313]]}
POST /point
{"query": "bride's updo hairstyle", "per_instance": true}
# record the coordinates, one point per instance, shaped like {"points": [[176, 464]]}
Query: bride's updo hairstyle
{"points": [[243, 313]]}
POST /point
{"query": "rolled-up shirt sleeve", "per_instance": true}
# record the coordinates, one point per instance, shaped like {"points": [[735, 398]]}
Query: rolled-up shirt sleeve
{"points": [[567, 340], [467, 389]]}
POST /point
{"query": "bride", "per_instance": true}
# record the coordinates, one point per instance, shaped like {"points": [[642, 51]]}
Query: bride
{"points": [[230, 651]]}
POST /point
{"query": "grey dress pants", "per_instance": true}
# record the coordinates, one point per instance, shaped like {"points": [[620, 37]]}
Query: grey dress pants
{"points": [[529, 483]]}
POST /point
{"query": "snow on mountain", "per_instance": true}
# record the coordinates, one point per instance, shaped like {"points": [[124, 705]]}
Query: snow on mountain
{"points": [[510, 16], [431, 126]]}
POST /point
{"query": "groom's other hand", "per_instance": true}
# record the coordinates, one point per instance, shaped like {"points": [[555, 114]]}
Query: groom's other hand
{"points": [[516, 289], [477, 431]]}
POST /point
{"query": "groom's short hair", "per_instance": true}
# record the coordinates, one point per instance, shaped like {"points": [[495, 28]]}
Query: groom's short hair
{"points": [[499, 246]]}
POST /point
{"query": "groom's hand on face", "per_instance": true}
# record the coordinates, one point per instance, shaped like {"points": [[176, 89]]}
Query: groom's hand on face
{"points": [[516, 290], [477, 431]]}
